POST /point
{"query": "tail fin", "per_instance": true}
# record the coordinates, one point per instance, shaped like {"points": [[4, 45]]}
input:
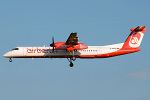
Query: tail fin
{"points": [[135, 38]]}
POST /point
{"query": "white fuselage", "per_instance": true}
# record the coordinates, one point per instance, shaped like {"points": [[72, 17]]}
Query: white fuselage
{"points": [[47, 52]]}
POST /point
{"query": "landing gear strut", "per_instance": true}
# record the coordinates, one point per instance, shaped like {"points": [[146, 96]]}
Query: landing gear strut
{"points": [[10, 60], [70, 60], [73, 58]]}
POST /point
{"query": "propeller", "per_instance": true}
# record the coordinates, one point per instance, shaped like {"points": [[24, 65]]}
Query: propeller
{"points": [[52, 44]]}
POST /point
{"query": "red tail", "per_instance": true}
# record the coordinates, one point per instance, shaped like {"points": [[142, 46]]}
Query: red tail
{"points": [[135, 38]]}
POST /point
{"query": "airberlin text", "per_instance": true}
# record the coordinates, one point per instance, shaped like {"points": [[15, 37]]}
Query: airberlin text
{"points": [[38, 50]]}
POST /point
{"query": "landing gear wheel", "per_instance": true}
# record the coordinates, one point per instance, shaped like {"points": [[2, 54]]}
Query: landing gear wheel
{"points": [[70, 60], [71, 64], [73, 58], [10, 60]]}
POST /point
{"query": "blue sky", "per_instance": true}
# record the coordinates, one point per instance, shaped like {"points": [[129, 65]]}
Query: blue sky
{"points": [[98, 22]]}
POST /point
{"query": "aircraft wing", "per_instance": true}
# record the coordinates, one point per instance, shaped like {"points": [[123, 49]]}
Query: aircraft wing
{"points": [[71, 44], [73, 39]]}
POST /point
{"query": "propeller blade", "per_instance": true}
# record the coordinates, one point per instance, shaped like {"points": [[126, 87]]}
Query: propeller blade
{"points": [[53, 48], [52, 44], [53, 40]]}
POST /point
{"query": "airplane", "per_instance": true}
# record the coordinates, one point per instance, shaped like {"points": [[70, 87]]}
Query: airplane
{"points": [[72, 48]]}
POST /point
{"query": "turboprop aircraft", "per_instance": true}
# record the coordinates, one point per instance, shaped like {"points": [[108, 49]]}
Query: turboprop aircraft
{"points": [[72, 49]]}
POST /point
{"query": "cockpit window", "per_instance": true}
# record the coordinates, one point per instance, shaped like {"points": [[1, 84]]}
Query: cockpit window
{"points": [[15, 49]]}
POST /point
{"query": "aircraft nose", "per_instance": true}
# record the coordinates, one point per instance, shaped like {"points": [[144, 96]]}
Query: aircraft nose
{"points": [[6, 55]]}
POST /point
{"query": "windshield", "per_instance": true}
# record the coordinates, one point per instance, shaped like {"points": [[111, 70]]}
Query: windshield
{"points": [[15, 49]]}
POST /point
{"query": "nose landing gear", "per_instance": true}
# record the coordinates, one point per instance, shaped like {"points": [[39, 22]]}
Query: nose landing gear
{"points": [[10, 60]]}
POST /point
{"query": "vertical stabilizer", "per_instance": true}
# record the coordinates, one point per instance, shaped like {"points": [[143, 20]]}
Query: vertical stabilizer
{"points": [[135, 38]]}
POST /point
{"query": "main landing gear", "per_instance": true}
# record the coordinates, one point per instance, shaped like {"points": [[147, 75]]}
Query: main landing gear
{"points": [[70, 60], [73, 58], [10, 60]]}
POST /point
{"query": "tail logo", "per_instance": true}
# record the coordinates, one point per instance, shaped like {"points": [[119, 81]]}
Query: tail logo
{"points": [[136, 39]]}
